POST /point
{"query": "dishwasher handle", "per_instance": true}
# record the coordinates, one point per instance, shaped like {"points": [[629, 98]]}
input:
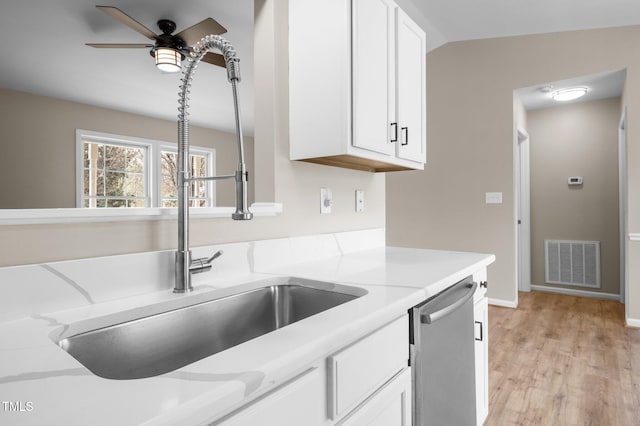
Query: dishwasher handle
{"points": [[438, 315]]}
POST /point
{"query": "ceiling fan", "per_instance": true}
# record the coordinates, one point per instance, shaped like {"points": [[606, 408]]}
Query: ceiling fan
{"points": [[168, 49]]}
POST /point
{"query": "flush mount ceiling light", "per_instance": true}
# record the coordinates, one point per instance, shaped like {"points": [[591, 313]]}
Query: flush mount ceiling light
{"points": [[168, 59], [570, 94], [545, 89]]}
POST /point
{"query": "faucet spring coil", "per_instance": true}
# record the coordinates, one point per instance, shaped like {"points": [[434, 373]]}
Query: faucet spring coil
{"points": [[199, 50]]}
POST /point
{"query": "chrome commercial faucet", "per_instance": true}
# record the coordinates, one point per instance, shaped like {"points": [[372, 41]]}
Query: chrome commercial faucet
{"points": [[185, 266]]}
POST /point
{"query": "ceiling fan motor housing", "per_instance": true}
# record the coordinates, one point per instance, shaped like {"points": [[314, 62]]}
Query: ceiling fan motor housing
{"points": [[167, 40]]}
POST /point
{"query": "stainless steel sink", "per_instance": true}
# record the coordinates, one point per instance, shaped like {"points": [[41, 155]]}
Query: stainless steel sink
{"points": [[160, 343]]}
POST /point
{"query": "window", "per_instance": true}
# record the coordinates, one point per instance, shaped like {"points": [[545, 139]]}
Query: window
{"points": [[200, 193], [121, 171], [114, 175]]}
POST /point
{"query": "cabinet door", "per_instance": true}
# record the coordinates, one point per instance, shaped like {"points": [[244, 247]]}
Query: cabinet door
{"points": [[411, 89], [373, 44], [301, 402], [481, 316], [390, 406]]}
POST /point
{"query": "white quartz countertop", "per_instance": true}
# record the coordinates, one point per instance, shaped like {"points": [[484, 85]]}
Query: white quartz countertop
{"points": [[54, 388]]}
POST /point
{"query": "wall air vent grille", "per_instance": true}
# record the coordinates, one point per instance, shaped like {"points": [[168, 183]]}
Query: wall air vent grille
{"points": [[574, 263]]}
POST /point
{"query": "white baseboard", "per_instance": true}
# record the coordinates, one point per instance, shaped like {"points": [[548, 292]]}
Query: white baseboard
{"points": [[503, 303], [632, 322], [575, 292]]}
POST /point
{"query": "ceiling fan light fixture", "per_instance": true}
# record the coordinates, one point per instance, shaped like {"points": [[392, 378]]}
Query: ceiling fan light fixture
{"points": [[168, 59], [570, 94]]}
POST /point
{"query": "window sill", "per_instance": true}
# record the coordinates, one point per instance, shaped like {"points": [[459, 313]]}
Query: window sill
{"points": [[44, 216]]}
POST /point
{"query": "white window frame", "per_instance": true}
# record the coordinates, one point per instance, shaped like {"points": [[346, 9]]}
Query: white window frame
{"points": [[152, 176]]}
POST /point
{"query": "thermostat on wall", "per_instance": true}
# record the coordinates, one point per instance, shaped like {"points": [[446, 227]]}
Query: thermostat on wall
{"points": [[575, 180]]}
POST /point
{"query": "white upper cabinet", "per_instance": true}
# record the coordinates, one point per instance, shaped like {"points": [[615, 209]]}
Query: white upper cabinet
{"points": [[374, 75], [357, 85], [411, 89]]}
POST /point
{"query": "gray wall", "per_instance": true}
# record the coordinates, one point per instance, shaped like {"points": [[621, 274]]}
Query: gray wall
{"points": [[470, 143], [576, 140], [38, 140]]}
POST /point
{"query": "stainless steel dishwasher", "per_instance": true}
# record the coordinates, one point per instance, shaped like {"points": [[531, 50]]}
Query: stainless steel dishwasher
{"points": [[442, 358]]}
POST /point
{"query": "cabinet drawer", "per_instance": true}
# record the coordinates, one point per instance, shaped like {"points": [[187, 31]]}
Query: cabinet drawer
{"points": [[358, 370], [390, 406], [299, 402]]}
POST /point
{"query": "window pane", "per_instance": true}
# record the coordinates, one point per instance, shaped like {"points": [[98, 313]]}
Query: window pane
{"points": [[116, 203], [197, 203], [169, 171], [115, 157], [136, 203], [100, 184], [198, 165], [169, 188], [169, 203], [85, 155], [198, 189], [135, 160], [114, 184], [100, 162], [101, 202], [85, 182], [133, 185]]}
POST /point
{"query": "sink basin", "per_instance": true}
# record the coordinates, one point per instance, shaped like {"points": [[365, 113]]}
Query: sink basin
{"points": [[166, 341]]}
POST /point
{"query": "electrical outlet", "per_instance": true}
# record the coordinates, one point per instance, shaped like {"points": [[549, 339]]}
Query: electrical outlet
{"points": [[359, 201], [326, 200]]}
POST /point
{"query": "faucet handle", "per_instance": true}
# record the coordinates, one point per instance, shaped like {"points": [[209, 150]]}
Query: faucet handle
{"points": [[215, 256], [203, 264]]}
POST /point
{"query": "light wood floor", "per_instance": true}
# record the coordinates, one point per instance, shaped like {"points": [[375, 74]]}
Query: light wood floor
{"points": [[563, 360]]}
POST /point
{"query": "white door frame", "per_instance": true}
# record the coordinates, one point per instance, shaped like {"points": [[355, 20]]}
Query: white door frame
{"points": [[622, 200], [523, 210]]}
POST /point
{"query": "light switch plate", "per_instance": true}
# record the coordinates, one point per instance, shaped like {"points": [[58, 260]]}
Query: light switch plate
{"points": [[359, 201], [326, 200], [493, 197]]}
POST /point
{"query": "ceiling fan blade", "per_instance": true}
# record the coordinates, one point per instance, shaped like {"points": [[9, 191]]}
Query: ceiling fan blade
{"points": [[193, 34], [118, 45], [215, 59], [128, 21]]}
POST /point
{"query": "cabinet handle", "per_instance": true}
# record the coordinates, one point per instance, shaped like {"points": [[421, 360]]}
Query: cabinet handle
{"points": [[484, 284], [395, 132], [481, 338], [405, 130]]}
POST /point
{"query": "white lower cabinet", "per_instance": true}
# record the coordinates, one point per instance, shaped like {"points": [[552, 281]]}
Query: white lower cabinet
{"points": [[358, 370], [366, 383], [481, 318], [299, 402], [390, 406]]}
